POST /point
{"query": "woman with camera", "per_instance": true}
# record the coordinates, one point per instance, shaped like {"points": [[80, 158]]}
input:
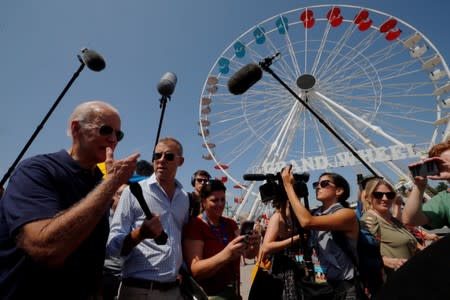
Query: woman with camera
{"points": [[331, 262], [397, 243], [280, 246], [212, 246]]}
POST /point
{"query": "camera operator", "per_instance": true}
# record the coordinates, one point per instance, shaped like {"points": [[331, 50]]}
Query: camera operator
{"points": [[334, 215]]}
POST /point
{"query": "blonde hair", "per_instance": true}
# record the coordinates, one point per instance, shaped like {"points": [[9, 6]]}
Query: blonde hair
{"points": [[371, 186]]}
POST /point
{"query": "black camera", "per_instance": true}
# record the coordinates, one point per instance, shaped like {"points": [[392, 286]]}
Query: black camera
{"points": [[273, 188]]}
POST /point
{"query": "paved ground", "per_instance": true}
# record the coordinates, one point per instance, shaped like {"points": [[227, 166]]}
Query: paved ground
{"points": [[246, 271]]}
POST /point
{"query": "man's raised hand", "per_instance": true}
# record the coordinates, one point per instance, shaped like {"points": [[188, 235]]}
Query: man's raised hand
{"points": [[122, 169]]}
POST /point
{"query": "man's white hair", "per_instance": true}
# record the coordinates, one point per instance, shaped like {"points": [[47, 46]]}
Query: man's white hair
{"points": [[87, 112]]}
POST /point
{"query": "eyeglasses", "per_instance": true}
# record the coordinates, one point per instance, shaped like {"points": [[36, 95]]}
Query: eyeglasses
{"points": [[167, 155], [379, 195], [323, 184], [106, 130], [201, 180]]}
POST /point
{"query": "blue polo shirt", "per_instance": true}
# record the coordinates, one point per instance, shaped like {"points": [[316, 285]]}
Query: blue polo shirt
{"points": [[40, 188]]}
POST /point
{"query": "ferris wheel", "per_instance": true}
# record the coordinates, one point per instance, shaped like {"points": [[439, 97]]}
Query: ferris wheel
{"points": [[377, 81]]}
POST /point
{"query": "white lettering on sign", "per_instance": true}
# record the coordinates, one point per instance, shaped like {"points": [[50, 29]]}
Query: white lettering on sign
{"points": [[345, 159]]}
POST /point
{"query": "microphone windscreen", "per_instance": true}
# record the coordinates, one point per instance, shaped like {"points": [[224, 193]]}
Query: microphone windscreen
{"points": [[166, 84], [254, 177], [93, 60], [243, 79]]}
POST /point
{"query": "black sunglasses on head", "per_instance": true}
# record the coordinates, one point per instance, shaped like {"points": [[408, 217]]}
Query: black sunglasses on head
{"points": [[322, 184], [106, 130], [167, 155], [379, 195]]}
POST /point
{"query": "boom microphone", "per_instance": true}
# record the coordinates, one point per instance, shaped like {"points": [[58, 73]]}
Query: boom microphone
{"points": [[93, 60], [243, 79], [167, 84], [254, 177]]}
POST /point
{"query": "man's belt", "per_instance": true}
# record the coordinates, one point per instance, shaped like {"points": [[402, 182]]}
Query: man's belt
{"points": [[149, 284]]}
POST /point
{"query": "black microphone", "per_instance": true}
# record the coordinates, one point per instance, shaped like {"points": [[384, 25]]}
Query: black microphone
{"points": [[243, 79], [254, 177], [93, 60], [136, 189], [167, 84]]}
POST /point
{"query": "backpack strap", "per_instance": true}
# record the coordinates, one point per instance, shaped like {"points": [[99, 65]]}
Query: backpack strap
{"points": [[340, 239]]}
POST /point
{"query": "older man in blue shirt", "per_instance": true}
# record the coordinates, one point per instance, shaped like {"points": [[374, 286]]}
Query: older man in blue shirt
{"points": [[54, 212]]}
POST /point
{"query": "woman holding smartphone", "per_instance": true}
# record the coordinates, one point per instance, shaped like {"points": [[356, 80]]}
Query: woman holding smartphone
{"points": [[212, 245]]}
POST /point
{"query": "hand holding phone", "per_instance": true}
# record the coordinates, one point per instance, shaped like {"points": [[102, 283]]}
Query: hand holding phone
{"points": [[428, 168], [247, 227]]}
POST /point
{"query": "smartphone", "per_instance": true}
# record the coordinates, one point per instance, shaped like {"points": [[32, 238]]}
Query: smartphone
{"points": [[426, 169], [247, 227]]}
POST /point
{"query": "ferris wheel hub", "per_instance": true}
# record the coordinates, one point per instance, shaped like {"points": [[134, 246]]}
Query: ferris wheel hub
{"points": [[306, 81]]}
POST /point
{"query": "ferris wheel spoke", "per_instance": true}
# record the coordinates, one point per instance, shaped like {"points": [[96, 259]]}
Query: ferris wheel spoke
{"points": [[375, 129], [337, 51], [295, 65], [339, 62]]}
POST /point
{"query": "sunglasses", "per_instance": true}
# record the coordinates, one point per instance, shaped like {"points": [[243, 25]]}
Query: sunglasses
{"points": [[323, 184], [379, 195], [201, 180], [167, 155], [106, 130]]}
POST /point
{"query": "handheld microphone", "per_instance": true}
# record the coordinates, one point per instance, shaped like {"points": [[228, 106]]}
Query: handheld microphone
{"points": [[93, 60], [243, 79], [254, 177], [167, 84], [136, 189]]}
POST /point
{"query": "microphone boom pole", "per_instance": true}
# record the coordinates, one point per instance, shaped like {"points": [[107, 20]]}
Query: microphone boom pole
{"points": [[265, 65], [94, 62], [162, 105], [41, 125]]}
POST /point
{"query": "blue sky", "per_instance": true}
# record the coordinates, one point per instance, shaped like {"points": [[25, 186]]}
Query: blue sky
{"points": [[140, 41]]}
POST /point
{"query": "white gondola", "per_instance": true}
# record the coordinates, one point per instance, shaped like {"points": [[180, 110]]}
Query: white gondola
{"points": [[204, 122], [432, 62], [418, 51], [208, 145], [212, 80], [437, 74], [412, 40], [212, 89], [205, 132], [207, 156], [442, 90], [206, 110], [206, 101]]}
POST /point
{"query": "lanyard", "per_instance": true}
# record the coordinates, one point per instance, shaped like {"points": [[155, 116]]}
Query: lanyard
{"points": [[219, 230]]}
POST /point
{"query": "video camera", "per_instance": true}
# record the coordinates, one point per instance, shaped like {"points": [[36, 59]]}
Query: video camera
{"points": [[273, 189]]}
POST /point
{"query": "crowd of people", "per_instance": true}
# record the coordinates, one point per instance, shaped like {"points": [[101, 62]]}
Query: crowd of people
{"points": [[68, 231]]}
